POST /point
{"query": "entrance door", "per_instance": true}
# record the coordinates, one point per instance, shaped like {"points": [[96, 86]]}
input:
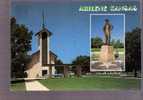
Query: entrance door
{"points": [[44, 72]]}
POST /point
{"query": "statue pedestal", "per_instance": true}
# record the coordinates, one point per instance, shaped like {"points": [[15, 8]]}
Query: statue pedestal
{"points": [[106, 54]]}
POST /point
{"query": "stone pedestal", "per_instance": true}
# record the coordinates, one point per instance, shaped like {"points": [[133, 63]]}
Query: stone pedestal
{"points": [[106, 54]]}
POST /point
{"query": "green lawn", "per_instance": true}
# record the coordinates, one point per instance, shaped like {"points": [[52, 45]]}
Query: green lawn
{"points": [[91, 83], [18, 86]]}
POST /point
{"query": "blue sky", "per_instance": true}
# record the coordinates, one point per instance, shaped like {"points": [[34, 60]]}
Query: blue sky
{"points": [[70, 28]]}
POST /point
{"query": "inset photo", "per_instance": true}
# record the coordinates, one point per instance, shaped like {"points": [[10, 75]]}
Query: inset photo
{"points": [[107, 42]]}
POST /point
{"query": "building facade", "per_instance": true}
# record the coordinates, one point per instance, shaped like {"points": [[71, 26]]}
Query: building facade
{"points": [[37, 67]]}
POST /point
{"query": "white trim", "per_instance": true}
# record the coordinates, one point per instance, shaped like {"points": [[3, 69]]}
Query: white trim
{"points": [[40, 51], [90, 40], [108, 14], [124, 42], [48, 46], [93, 70]]}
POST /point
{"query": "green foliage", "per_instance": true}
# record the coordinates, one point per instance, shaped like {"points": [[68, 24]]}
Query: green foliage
{"points": [[117, 44], [82, 60], [20, 45], [96, 42], [133, 51], [18, 86]]}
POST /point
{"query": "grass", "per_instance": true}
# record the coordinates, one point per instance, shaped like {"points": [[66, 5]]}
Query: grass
{"points": [[91, 83], [98, 49], [18, 86], [95, 49], [120, 49]]}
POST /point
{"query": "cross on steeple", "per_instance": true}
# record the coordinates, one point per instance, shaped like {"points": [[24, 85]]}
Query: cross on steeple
{"points": [[43, 18], [44, 29]]}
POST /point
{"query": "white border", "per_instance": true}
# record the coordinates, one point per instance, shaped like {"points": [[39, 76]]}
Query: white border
{"points": [[123, 37]]}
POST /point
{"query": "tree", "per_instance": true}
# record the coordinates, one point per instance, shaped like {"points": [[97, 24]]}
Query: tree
{"points": [[20, 45], [96, 42], [82, 60], [113, 42], [133, 51], [117, 43]]}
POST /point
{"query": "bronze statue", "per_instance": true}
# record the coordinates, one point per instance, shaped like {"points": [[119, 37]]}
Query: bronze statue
{"points": [[107, 31]]}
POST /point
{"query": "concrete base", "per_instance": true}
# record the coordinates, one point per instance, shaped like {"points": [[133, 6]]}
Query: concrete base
{"points": [[106, 54]]}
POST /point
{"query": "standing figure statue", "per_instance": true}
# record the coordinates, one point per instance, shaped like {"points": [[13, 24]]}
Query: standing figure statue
{"points": [[107, 31]]}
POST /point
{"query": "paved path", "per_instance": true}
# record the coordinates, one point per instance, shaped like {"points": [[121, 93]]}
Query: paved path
{"points": [[35, 86]]}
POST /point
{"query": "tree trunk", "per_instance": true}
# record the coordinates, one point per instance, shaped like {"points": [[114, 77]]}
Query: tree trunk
{"points": [[50, 71], [78, 71], [65, 71]]}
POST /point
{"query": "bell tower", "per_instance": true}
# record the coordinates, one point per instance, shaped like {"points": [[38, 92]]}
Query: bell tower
{"points": [[44, 39]]}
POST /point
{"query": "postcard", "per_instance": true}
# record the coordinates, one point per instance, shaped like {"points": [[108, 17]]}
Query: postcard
{"points": [[75, 46]]}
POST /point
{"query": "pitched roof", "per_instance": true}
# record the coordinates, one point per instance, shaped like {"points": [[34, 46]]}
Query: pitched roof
{"points": [[44, 30], [38, 52]]}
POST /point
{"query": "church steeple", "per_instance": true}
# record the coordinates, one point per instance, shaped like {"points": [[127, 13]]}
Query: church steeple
{"points": [[44, 45]]}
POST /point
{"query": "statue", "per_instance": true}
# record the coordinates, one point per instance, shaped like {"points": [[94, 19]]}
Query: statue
{"points": [[107, 31]]}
